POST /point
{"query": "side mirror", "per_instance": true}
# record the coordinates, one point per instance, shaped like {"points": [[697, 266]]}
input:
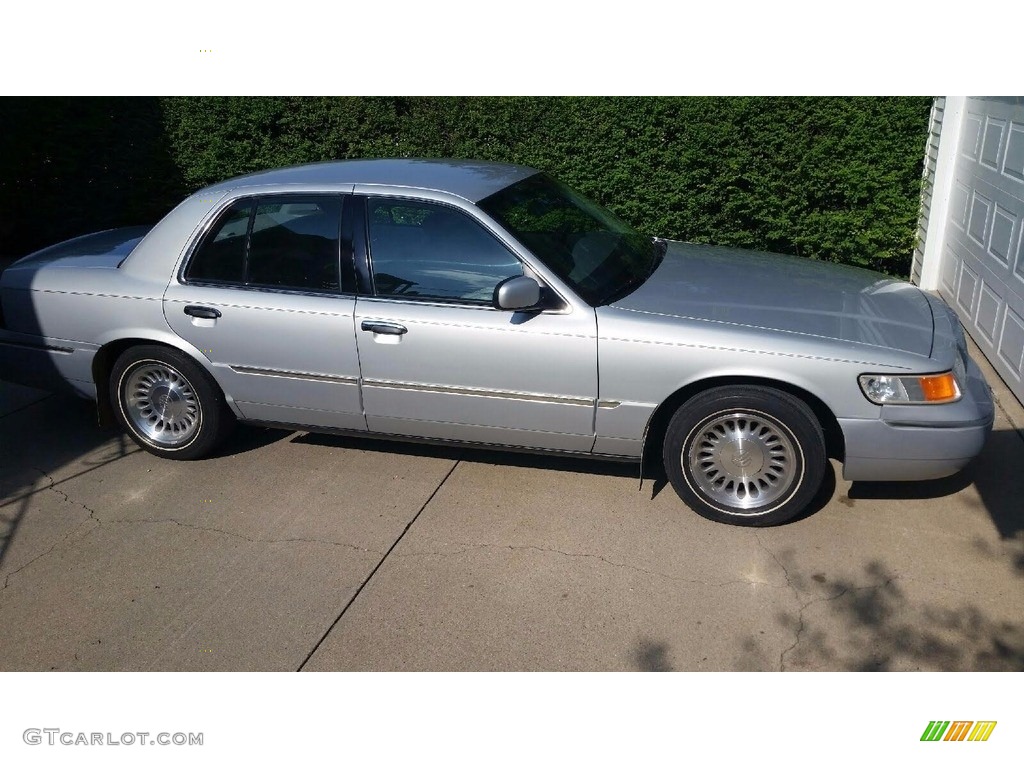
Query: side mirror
{"points": [[517, 293]]}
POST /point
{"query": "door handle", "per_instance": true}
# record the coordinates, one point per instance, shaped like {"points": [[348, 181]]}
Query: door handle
{"points": [[390, 329], [208, 313]]}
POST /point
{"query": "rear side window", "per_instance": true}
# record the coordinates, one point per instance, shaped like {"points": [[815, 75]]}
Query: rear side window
{"points": [[221, 257], [274, 242]]}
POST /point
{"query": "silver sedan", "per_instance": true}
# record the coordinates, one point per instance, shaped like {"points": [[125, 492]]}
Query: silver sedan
{"points": [[489, 304]]}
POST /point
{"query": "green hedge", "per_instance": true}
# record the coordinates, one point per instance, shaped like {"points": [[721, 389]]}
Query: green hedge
{"points": [[827, 178], [69, 166]]}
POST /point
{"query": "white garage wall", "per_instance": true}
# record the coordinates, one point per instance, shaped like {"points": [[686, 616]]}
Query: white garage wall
{"points": [[931, 156]]}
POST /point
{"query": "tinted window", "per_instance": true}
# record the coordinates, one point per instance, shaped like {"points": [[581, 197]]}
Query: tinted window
{"points": [[221, 257], [433, 251], [293, 242], [590, 248]]}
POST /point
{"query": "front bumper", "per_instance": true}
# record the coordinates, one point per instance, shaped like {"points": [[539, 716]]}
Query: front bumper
{"points": [[920, 442]]}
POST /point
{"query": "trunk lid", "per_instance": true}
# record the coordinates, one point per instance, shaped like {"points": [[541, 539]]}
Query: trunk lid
{"points": [[101, 250]]}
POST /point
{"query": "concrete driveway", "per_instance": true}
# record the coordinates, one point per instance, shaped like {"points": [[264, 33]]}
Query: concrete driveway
{"points": [[291, 551]]}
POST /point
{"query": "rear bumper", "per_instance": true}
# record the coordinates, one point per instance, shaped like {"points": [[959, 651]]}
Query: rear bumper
{"points": [[50, 364], [923, 442]]}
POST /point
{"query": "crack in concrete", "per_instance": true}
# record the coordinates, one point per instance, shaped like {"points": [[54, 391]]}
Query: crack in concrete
{"points": [[94, 517], [380, 562], [804, 605], [20, 568], [513, 547], [796, 596], [65, 537], [826, 599], [26, 405], [66, 499]]}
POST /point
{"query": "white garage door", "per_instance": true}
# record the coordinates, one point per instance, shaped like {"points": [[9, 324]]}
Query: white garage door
{"points": [[982, 272]]}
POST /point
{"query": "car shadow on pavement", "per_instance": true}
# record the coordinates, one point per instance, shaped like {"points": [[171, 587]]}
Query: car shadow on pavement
{"points": [[581, 465], [653, 473], [997, 474], [245, 438]]}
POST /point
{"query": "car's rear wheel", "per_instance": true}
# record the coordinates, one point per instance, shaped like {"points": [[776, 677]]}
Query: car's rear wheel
{"points": [[167, 403], [745, 455]]}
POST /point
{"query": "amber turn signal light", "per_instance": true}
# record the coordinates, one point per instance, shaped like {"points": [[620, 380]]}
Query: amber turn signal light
{"points": [[939, 388]]}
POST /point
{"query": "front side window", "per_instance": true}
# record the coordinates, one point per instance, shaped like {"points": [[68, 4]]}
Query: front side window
{"points": [[432, 251], [590, 248], [275, 242]]}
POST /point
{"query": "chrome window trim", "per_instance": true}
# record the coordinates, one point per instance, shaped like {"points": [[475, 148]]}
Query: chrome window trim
{"points": [[430, 303], [268, 289]]}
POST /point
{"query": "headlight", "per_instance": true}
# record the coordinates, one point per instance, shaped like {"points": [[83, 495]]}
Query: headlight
{"points": [[934, 388]]}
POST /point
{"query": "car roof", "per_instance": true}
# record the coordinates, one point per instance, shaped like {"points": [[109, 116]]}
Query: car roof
{"points": [[469, 179]]}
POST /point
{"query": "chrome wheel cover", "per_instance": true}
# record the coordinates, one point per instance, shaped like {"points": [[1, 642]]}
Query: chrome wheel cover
{"points": [[742, 460], [160, 404]]}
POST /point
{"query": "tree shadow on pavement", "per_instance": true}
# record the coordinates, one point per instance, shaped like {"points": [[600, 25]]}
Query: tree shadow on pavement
{"points": [[651, 656], [871, 622], [997, 474]]}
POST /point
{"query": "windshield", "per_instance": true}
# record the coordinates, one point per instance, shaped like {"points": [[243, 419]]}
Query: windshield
{"points": [[600, 256]]}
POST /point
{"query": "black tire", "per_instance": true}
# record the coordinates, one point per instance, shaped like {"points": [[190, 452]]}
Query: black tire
{"points": [[745, 455], [200, 420]]}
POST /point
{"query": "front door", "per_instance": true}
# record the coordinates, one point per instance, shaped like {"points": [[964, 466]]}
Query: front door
{"points": [[439, 361]]}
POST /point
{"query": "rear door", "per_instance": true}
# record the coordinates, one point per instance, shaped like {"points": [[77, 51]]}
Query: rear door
{"points": [[262, 297]]}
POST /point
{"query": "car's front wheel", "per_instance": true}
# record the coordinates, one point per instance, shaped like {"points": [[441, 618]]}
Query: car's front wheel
{"points": [[167, 403], [745, 455]]}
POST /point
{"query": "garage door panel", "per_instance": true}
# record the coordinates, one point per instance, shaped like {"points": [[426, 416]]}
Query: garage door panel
{"points": [[1013, 161], [1011, 343], [977, 226], [971, 135], [982, 270], [1019, 265], [1001, 236], [989, 306], [992, 143], [965, 292]]}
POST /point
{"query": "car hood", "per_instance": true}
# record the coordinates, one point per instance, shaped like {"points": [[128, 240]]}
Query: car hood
{"points": [[788, 294]]}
